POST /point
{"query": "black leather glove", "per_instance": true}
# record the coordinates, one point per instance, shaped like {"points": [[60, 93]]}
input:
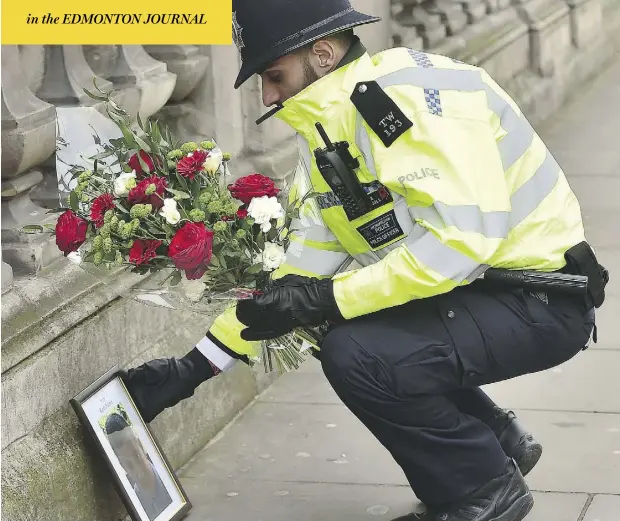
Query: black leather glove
{"points": [[290, 302], [162, 383]]}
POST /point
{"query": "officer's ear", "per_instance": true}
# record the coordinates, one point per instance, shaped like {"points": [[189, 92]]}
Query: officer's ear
{"points": [[325, 55]]}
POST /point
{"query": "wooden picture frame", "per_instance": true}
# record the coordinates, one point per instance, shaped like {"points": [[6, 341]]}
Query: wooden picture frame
{"points": [[141, 472]]}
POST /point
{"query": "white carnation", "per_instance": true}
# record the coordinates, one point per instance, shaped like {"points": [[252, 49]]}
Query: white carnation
{"points": [[263, 210], [169, 211], [213, 161], [123, 183], [273, 256]]}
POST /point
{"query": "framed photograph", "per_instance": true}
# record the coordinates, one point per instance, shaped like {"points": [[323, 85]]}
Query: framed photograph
{"points": [[140, 470]]}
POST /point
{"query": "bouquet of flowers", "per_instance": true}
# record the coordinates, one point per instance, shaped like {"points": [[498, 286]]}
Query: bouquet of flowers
{"points": [[151, 204]]}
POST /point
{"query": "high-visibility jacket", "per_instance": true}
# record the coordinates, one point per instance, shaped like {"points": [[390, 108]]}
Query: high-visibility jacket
{"points": [[473, 186]]}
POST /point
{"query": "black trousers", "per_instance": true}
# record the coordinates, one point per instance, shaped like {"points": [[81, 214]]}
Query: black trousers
{"points": [[411, 374]]}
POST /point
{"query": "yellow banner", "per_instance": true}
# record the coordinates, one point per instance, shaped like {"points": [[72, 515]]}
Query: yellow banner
{"points": [[110, 22]]}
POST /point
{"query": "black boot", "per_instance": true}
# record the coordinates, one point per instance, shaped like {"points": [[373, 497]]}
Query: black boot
{"points": [[505, 498], [516, 441], [162, 383]]}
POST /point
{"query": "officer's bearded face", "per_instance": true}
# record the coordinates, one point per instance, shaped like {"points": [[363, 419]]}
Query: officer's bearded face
{"points": [[292, 73], [287, 77]]}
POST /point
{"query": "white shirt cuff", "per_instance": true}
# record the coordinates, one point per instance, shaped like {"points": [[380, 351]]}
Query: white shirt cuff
{"points": [[220, 359]]}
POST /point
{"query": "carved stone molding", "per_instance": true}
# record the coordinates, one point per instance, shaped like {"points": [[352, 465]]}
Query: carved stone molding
{"points": [[130, 66], [428, 25], [186, 61], [586, 18], [28, 139], [550, 33], [66, 74]]}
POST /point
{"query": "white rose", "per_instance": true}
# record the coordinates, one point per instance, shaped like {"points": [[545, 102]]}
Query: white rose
{"points": [[193, 289], [273, 256], [213, 162], [263, 210], [124, 182], [169, 211]]}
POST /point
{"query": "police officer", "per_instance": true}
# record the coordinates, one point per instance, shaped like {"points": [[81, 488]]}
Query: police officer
{"points": [[454, 182]]}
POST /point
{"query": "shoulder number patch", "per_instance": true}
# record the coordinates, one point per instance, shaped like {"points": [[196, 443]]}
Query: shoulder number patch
{"points": [[380, 112]]}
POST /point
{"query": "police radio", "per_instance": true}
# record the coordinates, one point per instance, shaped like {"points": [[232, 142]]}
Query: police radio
{"points": [[337, 166]]}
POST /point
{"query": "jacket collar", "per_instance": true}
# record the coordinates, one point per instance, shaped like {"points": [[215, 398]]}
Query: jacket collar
{"points": [[357, 50], [325, 98]]}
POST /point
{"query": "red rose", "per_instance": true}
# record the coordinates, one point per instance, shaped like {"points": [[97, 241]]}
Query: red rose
{"points": [[191, 164], [191, 249], [242, 212], [254, 185], [134, 163], [100, 206], [138, 194], [143, 251], [70, 232]]}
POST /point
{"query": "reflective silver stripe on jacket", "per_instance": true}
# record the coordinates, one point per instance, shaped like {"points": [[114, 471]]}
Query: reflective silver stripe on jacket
{"points": [[319, 262], [446, 261], [310, 231], [467, 218]]}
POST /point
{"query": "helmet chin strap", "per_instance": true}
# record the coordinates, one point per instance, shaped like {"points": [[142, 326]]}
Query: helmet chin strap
{"points": [[267, 115]]}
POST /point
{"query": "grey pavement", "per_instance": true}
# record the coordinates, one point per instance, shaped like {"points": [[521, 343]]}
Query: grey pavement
{"points": [[298, 454]]}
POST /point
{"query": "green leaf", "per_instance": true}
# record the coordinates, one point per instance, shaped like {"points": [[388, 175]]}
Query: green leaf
{"points": [[127, 134], [143, 144], [50, 227], [32, 228], [117, 142], [140, 124], [94, 96], [195, 187], [260, 240], [121, 207], [102, 155], [255, 269], [176, 278], [273, 233], [215, 261], [231, 278], [222, 262], [178, 193], [73, 201], [156, 135], [217, 248], [181, 180], [143, 165]]}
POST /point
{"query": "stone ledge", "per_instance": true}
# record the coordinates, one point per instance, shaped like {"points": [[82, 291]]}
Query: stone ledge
{"points": [[41, 308]]}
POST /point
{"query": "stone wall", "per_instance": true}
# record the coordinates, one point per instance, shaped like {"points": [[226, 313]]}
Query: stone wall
{"points": [[63, 328]]}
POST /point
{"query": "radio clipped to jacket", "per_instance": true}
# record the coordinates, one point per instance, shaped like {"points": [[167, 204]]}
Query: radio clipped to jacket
{"points": [[337, 166]]}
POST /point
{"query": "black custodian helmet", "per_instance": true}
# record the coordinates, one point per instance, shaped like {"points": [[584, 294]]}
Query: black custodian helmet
{"points": [[265, 30]]}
